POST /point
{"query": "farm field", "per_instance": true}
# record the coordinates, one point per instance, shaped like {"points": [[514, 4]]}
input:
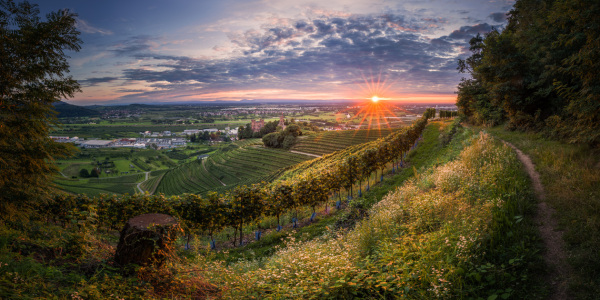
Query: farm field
{"points": [[331, 141], [126, 168], [97, 186], [178, 171], [243, 162]]}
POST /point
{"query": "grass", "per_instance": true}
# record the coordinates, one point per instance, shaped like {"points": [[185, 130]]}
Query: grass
{"points": [[331, 141], [570, 175], [430, 152], [458, 230], [241, 162], [456, 225]]}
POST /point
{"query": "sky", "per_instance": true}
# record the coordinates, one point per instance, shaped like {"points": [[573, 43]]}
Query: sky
{"points": [[149, 51]]}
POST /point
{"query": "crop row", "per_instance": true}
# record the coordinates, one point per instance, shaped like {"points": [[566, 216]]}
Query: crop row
{"points": [[120, 179], [310, 185]]}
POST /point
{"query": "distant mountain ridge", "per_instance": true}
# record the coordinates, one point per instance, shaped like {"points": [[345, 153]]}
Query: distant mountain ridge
{"points": [[66, 110]]}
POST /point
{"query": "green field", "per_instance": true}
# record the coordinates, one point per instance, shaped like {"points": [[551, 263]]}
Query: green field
{"points": [[243, 162], [178, 171], [130, 164], [331, 141], [95, 186]]}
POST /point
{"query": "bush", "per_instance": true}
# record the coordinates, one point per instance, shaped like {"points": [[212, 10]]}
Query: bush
{"points": [[84, 173]]}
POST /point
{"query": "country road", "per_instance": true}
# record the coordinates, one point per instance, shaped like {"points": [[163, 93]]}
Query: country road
{"points": [[138, 185], [304, 153]]}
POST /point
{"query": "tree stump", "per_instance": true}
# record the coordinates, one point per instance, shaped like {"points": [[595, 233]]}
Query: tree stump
{"points": [[147, 239]]}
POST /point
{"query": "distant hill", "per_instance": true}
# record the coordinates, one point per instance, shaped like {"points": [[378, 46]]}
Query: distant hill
{"points": [[66, 110]]}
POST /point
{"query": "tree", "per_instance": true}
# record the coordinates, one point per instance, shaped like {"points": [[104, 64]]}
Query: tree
{"points": [[84, 173], [95, 172], [32, 77], [288, 142]]}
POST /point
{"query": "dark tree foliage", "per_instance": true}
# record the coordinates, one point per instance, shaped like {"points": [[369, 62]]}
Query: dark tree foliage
{"points": [[84, 173], [540, 72], [283, 139], [33, 67]]}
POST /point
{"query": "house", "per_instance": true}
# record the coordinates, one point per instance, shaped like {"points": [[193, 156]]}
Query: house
{"points": [[97, 144], [191, 131], [178, 142], [257, 125], [125, 142], [60, 139]]}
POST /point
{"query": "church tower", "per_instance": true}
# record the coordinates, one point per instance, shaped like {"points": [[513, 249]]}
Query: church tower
{"points": [[281, 122]]}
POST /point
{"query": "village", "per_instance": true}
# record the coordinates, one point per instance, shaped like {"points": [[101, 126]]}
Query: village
{"points": [[156, 140]]}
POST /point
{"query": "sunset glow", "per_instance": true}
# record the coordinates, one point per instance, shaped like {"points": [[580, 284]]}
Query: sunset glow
{"points": [[191, 51]]}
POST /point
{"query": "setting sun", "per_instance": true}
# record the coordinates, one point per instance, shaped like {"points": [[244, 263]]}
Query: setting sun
{"points": [[374, 98]]}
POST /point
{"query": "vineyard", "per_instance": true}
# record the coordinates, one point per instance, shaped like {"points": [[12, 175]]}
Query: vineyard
{"points": [[309, 185], [243, 162], [331, 141], [154, 179], [96, 186]]}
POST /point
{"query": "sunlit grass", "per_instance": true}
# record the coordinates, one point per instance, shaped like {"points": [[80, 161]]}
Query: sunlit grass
{"points": [[452, 232]]}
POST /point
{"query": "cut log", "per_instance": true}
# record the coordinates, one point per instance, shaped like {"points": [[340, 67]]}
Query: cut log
{"points": [[147, 239]]}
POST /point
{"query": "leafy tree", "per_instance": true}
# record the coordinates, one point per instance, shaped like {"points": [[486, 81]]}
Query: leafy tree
{"points": [[84, 173], [280, 199], [288, 142], [247, 133], [293, 130], [540, 72], [32, 77], [273, 140], [268, 128], [245, 206], [95, 172]]}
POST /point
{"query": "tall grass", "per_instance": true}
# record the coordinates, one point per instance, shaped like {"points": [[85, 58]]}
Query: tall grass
{"points": [[570, 175], [459, 230]]}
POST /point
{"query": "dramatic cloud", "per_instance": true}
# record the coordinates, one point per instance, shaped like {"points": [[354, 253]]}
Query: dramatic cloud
{"points": [[134, 45], [308, 55], [467, 32], [498, 17], [97, 80]]}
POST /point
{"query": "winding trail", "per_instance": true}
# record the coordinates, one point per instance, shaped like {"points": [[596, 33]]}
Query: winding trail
{"points": [[554, 255], [304, 153], [223, 183], [139, 184]]}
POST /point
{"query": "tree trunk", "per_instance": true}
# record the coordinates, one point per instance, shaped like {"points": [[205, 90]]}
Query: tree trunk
{"points": [[147, 239], [241, 234]]}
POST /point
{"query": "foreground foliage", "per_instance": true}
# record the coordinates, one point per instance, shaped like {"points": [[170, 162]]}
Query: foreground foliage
{"points": [[459, 231], [571, 180], [32, 77], [540, 72]]}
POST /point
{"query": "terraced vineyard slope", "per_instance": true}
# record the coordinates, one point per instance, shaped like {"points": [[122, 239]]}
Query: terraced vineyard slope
{"points": [[243, 162], [331, 141], [96, 186]]}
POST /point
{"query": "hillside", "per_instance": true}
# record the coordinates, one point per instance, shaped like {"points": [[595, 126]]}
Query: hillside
{"points": [[458, 222], [66, 110], [330, 141]]}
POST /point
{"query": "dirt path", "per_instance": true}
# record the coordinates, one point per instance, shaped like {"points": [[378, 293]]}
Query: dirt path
{"points": [[304, 153], [223, 183], [139, 184], [555, 255]]}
